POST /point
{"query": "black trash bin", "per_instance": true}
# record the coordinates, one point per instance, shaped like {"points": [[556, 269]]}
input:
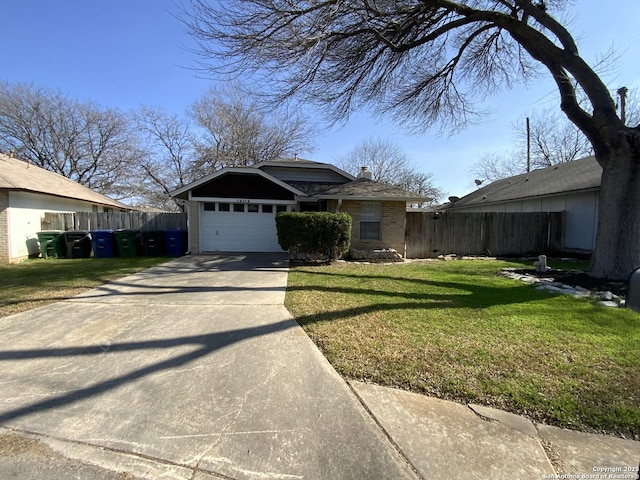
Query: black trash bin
{"points": [[153, 244], [51, 244], [176, 242], [103, 243], [127, 242], [78, 244]]}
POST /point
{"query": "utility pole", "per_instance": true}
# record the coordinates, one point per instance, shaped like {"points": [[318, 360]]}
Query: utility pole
{"points": [[528, 146], [622, 93]]}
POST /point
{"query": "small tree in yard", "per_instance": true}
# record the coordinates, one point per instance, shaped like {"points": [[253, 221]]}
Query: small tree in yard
{"points": [[424, 61]]}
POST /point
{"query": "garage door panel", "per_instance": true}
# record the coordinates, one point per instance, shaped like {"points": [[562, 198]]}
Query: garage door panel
{"points": [[238, 232]]}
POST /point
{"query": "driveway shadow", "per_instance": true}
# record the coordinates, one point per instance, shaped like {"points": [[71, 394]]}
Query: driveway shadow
{"points": [[207, 343]]}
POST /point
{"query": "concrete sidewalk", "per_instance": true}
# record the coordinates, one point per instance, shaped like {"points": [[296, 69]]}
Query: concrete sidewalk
{"points": [[195, 370], [447, 440]]}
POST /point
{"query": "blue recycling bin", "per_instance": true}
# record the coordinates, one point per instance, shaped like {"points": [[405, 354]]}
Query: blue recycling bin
{"points": [[176, 241], [104, 245]]}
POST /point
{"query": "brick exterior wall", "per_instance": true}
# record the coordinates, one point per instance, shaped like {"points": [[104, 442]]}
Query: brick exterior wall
{"points": [[393, 226], [4, 226]]}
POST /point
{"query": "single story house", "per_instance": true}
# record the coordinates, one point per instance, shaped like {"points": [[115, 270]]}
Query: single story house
{"points": [[234, 209], [571, 187], [26, 192]]}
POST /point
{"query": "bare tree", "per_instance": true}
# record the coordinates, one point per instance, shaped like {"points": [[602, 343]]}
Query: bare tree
{"points": [[553, 140], [494, 166], [169, 148], [83, 141], [426, 61], [236, 130], [389, 164]]}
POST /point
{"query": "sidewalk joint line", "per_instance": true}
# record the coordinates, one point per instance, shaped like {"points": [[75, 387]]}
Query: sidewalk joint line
{"points": [[397, 448]]}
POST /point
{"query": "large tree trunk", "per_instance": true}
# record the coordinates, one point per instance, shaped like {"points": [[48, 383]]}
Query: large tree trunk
{"points": [[617, 251]]}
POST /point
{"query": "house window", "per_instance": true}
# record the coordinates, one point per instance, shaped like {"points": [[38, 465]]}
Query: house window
{"points": [[267, 208], [224, 207], [238, 207], [370, 216], [209, 207], [253, 208], [281, 208]]}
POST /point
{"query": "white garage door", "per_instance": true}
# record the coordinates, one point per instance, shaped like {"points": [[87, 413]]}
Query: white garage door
{"points": [[239, 227]]}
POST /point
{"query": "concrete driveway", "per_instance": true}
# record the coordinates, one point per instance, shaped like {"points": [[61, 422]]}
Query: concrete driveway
{"points": [[190, 370]]}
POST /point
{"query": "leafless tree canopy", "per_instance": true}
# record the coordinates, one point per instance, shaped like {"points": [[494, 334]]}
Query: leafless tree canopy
{"points": [[226, 127], [235, 130], [494, 166], [553, 140], [425, 61], [389, 164], [169, 152], [90, 144]]}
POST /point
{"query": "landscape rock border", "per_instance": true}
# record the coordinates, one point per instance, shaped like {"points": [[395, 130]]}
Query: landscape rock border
{"points": [[548, 284]]}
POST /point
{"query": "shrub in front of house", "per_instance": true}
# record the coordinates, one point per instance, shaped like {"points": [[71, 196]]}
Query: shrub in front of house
{"points": [[314, 235]]}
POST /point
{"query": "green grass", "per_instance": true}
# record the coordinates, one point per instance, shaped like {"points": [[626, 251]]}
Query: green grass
{"points": [[35, 283], [458, 331]]}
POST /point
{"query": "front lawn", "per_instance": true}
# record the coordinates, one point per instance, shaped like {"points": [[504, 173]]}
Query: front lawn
{"points": [[35, 283], [458, 331]]}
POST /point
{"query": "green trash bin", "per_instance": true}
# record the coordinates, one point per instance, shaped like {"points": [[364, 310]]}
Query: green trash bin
{"points": [[127, 242], [52, 244]]}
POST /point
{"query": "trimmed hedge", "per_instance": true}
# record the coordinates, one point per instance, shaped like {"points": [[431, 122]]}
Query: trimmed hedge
{"points": [[314, 235]]}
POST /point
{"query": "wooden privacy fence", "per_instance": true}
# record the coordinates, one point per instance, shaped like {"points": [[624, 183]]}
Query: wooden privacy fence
{"points": [[144, 221], [483, 233]]}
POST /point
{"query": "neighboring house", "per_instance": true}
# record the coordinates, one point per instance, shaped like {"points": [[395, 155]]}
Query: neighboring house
{"points": [[26, 192], [568, 187], [234, 209]]}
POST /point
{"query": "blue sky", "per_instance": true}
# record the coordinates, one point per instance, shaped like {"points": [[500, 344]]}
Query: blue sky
{"points": [[125, 53]]}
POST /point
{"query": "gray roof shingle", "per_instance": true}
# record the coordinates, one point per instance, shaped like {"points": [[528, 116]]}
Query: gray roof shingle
{"points": [[361, 189], [582, 174], [19, 175]]}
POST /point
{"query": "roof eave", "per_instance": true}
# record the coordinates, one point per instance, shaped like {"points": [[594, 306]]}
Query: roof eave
{"points": [[112, 204], [375, 198], [520, 199]]}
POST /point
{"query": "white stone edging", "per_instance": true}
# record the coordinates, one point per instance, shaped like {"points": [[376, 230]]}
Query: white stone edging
{"points": [[603, 298]]}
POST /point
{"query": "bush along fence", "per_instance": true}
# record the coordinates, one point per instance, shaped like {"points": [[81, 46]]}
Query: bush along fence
{"points": [[142, 221], [483, 233], [314, 236]]}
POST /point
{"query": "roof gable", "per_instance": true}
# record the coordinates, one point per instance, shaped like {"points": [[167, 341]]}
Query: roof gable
{"points": [[19, 175], [578, 175], [235, 185], [183, 192]]}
